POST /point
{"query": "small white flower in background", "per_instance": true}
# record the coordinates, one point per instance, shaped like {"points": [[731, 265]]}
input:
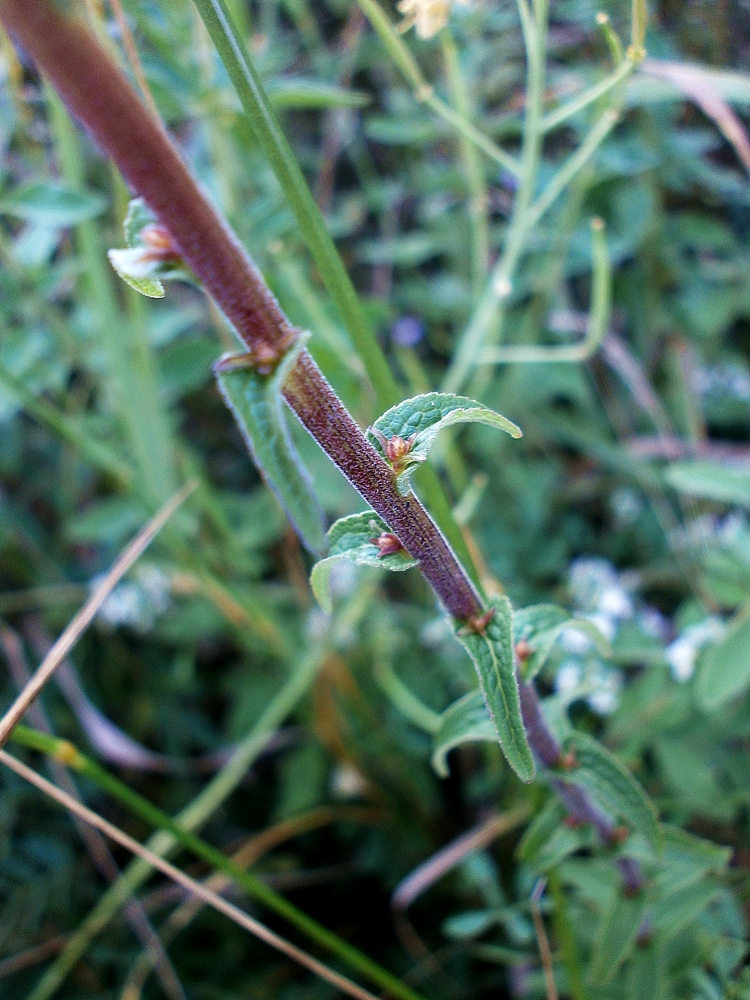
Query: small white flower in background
{"points": [[654, 623], [137, 602], [598, 684], [347, 782], [597, 591], [626, 505], [426, 16], [683, 652], [605, 697], [568, 677]]}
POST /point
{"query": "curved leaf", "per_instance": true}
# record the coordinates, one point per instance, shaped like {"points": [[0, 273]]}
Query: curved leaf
{"points": [[418, 421], [611, 784], [492, 653], [256, 402], [541, 625], [351, 539], [465, 721], [617, 936], [52, 203]]}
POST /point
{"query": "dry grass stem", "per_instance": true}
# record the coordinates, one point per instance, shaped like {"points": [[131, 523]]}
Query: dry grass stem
{"points": [[196, 888]]}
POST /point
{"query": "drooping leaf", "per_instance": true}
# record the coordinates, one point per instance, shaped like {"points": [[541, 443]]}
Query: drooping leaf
{"points": [[724, 671], [617, 936], [712, 481], [350, 539], [256, 402], [492, 653], [413, 425], [601, 774], [52, 204], [541, 625], [465, 721]]}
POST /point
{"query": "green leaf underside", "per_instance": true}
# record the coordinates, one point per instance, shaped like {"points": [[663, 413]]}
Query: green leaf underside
{"points": [[52, 203], [541, 625], [724, 671], [349, 541], [614, 787], [465, 721], [138, 216], [492, 653], [712, 481], [152, 288], [256, 403], [423, 417], [617, 936]]}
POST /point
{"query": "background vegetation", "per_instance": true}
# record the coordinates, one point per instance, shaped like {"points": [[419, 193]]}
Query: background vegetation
{"points": [[305, 741]]}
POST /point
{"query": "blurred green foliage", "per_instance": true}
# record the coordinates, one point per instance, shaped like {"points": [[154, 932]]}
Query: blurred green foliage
{"points": [[626, 502]]}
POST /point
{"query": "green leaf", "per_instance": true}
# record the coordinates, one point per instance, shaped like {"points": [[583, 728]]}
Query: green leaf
{"points": [[350, 540], [724, 671], [137, 272], [644, 974], [600, 773], [541, 625], [492, 653], [418, 421], [256, 402], [52, 204], [549, 839], [617, 936], [712, 481], [465, 721]]}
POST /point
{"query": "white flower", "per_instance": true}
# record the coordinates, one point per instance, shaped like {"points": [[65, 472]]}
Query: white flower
{"points": [[138, 602], [426, 16], [568, 677], [683, 652], [605, 697]]}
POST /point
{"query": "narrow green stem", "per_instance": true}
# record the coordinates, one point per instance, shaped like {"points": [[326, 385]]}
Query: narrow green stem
{"points": [[409, 68], [490, 309], [598, 322], [65, 753], [589, 96], [476, 187]]}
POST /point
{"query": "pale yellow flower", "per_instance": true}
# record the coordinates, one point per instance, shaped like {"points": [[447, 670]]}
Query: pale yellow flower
{"points": [[427, 16]]}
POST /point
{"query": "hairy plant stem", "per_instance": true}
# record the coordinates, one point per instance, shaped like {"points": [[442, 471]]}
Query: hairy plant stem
{"points": [[99, 95]]}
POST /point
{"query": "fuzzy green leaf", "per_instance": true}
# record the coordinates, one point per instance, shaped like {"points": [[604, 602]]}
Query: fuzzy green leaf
{"points": [[465, 721], [350, 540], [600, 773], [724, 671], [420, 419], [617, 937], [256, 402], [492, 653]]}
